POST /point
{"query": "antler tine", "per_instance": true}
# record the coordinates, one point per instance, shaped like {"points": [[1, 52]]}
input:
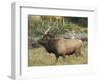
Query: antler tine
{"points": [[49, 27]]}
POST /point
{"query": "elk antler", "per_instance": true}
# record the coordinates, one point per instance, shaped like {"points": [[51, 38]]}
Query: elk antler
{"points": [[49, 27]]}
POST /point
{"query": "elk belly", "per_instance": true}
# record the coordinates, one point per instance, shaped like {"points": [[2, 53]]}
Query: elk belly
{"points": [[70, 51]]}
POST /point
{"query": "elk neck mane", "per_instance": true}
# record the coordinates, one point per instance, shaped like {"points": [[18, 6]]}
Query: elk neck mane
{"points": [[50, 47]]}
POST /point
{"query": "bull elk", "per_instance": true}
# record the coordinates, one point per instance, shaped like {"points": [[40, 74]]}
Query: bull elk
{"points": [[60, 46]]}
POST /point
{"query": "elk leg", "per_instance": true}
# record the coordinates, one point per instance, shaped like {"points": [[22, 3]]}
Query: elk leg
{"points": [[63, 57], [80, 52], [77, 52], [56, 60], [57, 57]]}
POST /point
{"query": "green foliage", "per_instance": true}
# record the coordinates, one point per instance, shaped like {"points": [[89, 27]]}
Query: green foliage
{"points": [[36, 26]]}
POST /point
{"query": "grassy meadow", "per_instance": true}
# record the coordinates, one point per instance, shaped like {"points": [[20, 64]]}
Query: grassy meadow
{"points": [[39, 57]]}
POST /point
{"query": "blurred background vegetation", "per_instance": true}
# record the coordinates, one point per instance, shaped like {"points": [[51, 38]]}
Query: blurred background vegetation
{"points": [[61, 26], [66, 27]]}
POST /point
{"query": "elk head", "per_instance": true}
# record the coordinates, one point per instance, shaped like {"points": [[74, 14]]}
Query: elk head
{"points": [[46, 37]]}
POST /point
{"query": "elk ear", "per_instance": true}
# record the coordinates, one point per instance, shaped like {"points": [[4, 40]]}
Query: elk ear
{"points": [[51, 35]]}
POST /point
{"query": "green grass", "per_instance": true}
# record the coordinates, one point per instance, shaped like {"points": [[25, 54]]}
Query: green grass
{"points": [[39, 57]]}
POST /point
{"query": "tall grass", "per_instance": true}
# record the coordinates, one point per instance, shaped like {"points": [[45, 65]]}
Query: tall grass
{"points": [[39, 57]]}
